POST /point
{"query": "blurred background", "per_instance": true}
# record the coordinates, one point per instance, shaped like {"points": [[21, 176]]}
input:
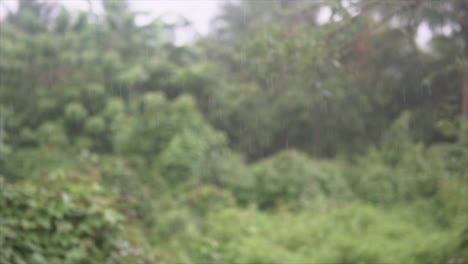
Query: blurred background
{"points": [[247, 131]]}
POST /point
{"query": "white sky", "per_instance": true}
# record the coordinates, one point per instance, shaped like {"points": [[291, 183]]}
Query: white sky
{"points": [[198, 12]]}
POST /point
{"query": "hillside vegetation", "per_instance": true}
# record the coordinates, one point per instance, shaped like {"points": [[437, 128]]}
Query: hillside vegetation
{"points": [[274, 139]]}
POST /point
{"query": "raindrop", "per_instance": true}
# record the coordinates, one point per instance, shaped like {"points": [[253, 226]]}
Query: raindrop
{"points": [[1, 131], [404, 95], [244, 13]]}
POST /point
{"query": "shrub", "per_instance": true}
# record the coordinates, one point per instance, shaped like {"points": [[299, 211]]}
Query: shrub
{"points": [[65, 219], [292, 178], [354, 233]]}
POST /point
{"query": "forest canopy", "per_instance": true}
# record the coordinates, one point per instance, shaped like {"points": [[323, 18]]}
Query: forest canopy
{"points": [[279, 137]]}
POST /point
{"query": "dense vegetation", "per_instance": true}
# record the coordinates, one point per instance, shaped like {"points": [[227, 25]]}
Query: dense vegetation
{"points": [[278, 138]]}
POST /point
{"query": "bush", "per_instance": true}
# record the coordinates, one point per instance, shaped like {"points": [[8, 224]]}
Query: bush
{"points": [[75, 113], [291, 178], [401, 171], [65, 219], [354, 233], [52, 134]]}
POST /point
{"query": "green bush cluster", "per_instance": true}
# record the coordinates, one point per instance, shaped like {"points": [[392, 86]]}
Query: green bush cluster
{"points": [[291, 178], [67, 218], [304, 218], [354, 233]]}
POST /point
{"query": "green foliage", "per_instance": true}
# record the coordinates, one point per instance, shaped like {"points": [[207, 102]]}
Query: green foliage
{"points": [[355, 151], [66, 219], [291, 178], [75, 113], [95, 126], [173, 138], [132, 136], [181, 160], [249, 236], [402, 171], [52, 134]]}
